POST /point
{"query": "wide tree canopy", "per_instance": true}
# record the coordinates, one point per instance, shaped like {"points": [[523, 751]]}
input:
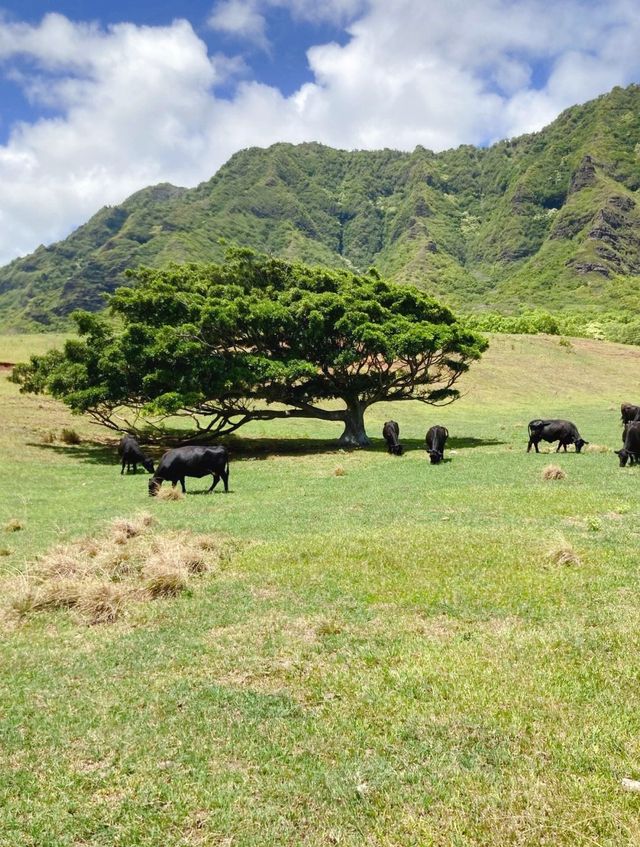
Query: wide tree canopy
{"points": [[255, 338]]}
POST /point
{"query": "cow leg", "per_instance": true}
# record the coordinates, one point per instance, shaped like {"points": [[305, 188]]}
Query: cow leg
{"points": [[559, 446], [123, 464], [225, 479], [216, 480], [535, 444], [184, 490], [135, 468], [529, 446]]}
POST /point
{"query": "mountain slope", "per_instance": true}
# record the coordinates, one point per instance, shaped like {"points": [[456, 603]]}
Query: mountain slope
{"points": [[548, 219]]}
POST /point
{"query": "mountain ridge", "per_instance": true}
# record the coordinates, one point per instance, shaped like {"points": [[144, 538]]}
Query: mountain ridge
{"points": [[546, 219]]}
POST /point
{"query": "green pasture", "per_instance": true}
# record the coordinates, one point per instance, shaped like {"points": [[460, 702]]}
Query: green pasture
{"points": [[391, 655]]}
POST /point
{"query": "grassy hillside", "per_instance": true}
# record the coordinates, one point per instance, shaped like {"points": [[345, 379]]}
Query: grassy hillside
{"points": [[399, 655], [548, 219]]}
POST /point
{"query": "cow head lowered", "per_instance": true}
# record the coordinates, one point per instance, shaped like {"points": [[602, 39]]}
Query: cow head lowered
{"points": [[580, 443], [148, 465], [624, 457], [435, 456], [154, 485]]}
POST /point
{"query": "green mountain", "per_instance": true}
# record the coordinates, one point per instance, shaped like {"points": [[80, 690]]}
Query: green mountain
{"points": [[550, 219]]}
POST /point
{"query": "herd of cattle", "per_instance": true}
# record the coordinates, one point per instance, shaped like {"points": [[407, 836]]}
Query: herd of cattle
{"points": [[197, 462]]}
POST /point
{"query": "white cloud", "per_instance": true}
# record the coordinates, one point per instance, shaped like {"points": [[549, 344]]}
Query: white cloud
{"points": [[242, 19], [137, 105]]}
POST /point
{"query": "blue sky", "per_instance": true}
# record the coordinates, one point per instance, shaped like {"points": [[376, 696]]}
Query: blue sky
{"points": [[100, 99]]}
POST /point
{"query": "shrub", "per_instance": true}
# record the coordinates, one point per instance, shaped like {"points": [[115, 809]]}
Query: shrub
{"points": [[69, 436]]}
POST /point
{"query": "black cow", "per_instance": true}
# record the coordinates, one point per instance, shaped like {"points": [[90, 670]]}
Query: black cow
{"points": [[176, 464], [629, 412], [631, 439], [391, 434], [131, 454], [564, 432], [436, 439]]}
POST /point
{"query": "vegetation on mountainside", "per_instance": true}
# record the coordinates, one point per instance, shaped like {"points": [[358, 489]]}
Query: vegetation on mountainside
{"points": [[236, 342], [548, 220]]}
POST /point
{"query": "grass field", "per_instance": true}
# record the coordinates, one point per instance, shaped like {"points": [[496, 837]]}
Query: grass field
{"points": [[391, 656]]}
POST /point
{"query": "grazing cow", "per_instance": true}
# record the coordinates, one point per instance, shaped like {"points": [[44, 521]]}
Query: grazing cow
{"points": [[131, 454], [391, 434], [631, 450], [564, 432], [176, 464], [436, 439], [629, 412]]}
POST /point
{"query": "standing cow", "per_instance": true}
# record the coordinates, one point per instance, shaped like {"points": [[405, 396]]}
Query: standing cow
{"points": [[435, 439], [629, 412], [631, 440], [181, 462], [132, 455], [564, 432], [391, 434]]}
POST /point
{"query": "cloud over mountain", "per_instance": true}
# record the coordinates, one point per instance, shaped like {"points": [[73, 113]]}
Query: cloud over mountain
{"points": [[126, 105]]}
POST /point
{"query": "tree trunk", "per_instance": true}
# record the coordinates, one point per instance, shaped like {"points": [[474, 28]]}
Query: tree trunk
{"points": [[354, 434]]}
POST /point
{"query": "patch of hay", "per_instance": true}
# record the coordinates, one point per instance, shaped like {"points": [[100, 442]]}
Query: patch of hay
{"points": [[102, 602], [169, 494], [125, 528], [48, 437], [5, 551], [13, 525], [553, 472], [99, 577], [597, 448], [164, 580], [562, 553], [69, 436], [339, 471]]}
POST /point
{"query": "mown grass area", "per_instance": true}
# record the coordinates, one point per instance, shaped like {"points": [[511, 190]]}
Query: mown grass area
{"points": [[392, 656]]}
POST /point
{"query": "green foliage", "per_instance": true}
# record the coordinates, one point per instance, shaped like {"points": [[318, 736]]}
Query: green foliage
{"points": [[545, 221], [230, 341]]}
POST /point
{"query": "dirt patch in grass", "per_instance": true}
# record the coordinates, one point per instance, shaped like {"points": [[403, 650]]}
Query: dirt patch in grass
{"points": [[99, 577]]}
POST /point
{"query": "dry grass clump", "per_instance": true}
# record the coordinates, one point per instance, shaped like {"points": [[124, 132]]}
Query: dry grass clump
{"points": [[99, 577], [562, 553], [13, 525], [339, 471], [553, 472], [164, 580], [169, 494], [125, 528], [48, 437], [597, 448], [69, 436], [5, 551]]}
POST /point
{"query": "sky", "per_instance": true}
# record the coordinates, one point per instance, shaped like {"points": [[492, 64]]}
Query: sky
{"points": [[101, 99]]}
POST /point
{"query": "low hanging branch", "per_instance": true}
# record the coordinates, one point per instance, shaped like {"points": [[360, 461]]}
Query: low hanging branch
{"points": [[255, 338]]}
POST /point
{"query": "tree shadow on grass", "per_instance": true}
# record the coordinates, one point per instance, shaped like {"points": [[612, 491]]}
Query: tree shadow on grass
{"points": [[245, 449]]}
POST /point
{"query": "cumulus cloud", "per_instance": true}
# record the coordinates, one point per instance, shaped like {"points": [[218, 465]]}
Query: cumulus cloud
{"points": [[134, 105]]}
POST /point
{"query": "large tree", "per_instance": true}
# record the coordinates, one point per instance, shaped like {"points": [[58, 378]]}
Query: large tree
{"points": [[256, 338]]}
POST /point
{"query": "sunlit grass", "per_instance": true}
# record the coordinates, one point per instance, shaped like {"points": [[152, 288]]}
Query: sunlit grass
{"points": [[398, 654]]}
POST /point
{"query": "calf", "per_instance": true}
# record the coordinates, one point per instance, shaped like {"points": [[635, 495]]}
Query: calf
{"points": [[131, 454], [629, 412], [391, 434], [436, 439], [181, 462], [564, 432], [631, 449]]}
